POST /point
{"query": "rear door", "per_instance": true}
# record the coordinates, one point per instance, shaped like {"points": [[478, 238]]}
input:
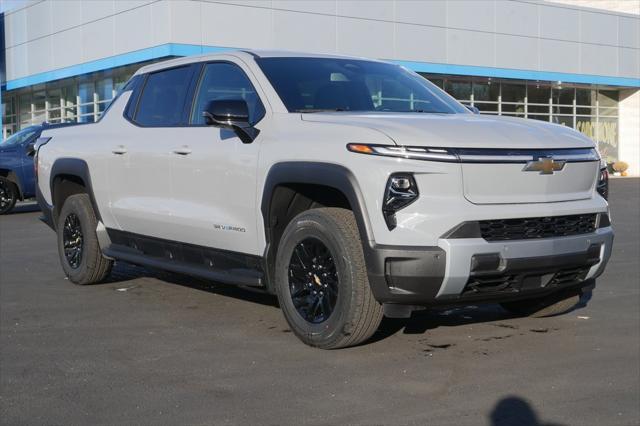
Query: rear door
{"points": [[140, 183], [214, 175]]}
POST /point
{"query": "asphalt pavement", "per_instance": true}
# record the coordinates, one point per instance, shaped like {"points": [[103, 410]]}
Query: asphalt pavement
{"points": [[156, 348]]}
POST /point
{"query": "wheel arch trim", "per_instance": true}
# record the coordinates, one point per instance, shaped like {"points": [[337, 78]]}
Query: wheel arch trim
{"points": [[77, 168], [313, 173]]}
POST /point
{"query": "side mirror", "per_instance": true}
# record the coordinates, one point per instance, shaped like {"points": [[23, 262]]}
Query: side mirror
{"points": [[227, 113], [231, 114], [473, 109], [31, 149]]}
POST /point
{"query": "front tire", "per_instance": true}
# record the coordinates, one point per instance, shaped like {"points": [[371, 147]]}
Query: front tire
{"points": [[80, 255], [321, 280], [8, 195]]}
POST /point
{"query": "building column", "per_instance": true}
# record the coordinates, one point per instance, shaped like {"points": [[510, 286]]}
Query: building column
{"points": [[629, 133]]}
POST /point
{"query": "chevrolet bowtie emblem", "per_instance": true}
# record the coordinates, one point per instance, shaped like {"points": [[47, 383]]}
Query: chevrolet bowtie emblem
{"points": [[544, 165]]}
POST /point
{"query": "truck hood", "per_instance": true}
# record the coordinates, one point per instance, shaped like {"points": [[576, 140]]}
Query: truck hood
{"points": [[459, 130]]}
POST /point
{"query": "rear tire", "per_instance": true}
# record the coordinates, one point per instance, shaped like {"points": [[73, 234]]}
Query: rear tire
{"points": [[8, 195], [555, 304], [321, 280], [80, 255]]}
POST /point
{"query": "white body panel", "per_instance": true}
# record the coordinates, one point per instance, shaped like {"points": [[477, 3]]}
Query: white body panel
{"points": [[150, 190]]}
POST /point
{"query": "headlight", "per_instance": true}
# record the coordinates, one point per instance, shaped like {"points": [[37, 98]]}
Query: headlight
{"points": [[401, 190], [416, 153]]}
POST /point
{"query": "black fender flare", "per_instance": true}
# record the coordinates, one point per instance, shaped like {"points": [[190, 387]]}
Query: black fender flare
{"points": [[75, 167], [315, 173]]}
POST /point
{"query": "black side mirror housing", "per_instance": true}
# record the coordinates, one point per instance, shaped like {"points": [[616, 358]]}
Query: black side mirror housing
{"points": [[231, 114]]}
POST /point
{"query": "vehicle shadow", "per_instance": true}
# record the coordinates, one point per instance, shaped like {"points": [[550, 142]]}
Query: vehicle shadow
{"points": [[430, 319], [513, 410], [123, 272], [419, 323]]}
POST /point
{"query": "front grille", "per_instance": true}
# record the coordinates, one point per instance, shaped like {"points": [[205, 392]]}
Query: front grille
{"points": [[537, 227]]}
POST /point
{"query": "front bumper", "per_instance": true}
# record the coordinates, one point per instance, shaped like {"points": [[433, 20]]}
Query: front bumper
{"points": [[472, 269]]}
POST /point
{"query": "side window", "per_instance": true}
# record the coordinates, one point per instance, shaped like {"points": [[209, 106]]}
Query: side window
{"points": [[163, 97], [225, 81]]}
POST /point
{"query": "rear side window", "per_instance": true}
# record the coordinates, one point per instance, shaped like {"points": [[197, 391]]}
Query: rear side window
{"points": [[222, 80], [163, 97]]}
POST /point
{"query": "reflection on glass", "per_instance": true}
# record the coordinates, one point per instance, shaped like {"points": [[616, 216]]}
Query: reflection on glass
{"points": [[85, 93], [585, 101], [608, 98], [486, 107], [485, 90], [104, 89], [437, 81], [459, 89], [38, 100], [513, 98], [538, 94], [607, 138], [53, 97], [563, 96], [565, 120]]}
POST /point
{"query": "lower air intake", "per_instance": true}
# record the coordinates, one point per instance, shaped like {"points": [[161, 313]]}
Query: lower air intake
{"points": [[537, 227]]}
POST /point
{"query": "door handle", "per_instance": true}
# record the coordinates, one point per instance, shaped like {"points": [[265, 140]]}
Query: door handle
{"points": [[119, 150], [183, 150]]}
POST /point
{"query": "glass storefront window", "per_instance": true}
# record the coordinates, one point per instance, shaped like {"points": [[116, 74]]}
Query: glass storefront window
{"points": [[437, 81], [486, 95], [541, 117], [607, 98], [67, 100], [459, 88], [485, 90], [513, 96], [85, 108], [585, 101], [607, 138], [565, 120], [104, 89], [562, 99], [538, 96]]}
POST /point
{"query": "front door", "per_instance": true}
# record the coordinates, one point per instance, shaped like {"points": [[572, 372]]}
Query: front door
{"points": [[214, 178]]}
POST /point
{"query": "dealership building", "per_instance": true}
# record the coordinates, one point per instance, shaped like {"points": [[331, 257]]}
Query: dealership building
{"points": [[571, 62]]}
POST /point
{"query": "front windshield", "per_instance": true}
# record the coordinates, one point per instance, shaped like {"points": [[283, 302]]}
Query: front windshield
{"points": [[19, 137], [334, 84]]}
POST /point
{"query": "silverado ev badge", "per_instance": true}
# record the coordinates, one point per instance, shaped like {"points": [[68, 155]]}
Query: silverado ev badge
{"points": [[544, 165]]}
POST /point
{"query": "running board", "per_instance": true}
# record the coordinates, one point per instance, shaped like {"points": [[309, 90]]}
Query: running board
{"points": [[198, 261]]}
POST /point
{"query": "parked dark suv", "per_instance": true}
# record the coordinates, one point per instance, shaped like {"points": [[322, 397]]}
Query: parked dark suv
{"points": [[17, 178]]}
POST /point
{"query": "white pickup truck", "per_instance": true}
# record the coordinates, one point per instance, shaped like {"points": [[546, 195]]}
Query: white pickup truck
{"points": [[350, 188]]}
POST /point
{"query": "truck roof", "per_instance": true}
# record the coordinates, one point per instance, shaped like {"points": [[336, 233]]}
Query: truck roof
{"points": [[244, 54]]}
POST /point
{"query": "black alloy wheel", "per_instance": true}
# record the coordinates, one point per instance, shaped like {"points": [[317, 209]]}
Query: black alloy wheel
{"points": [[72, 240], [8, 196], [313, 280]]}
